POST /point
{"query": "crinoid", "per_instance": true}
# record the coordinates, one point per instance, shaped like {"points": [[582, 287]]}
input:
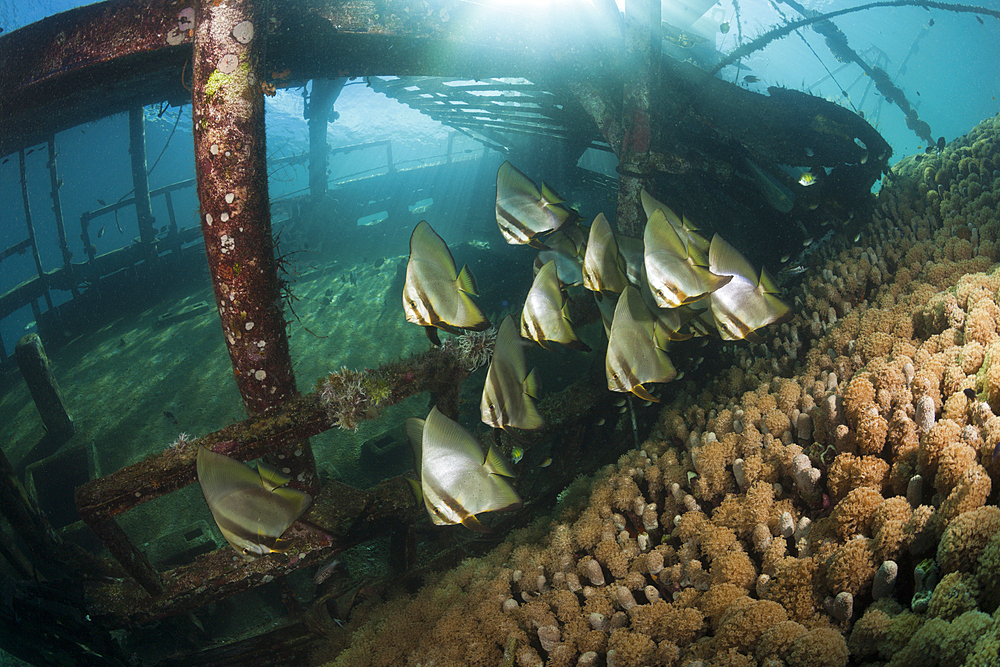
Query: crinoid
{"points": [[475, 348], [343, 396]]}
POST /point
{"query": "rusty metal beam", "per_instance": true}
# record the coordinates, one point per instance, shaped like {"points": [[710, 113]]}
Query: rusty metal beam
{"points": [[101, 59], [346, 516], [300, 417]]}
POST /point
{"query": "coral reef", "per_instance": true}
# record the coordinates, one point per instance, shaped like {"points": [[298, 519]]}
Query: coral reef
{"points": [[826, 499]]}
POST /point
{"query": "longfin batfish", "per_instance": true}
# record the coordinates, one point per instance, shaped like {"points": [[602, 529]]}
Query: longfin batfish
{"points": [[747, 302], [509, 391], [523, 211], [675, 274], [435, 295], [636, 348], [252, 508], [457, 481], [604, 267], [545, 315], [685, 228]]}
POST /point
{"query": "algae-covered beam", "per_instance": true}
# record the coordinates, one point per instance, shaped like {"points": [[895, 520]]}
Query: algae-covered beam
{"points": [[231, 168], [300, 417]]}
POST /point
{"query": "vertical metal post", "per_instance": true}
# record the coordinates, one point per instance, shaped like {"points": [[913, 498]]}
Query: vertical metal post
{"points": [[642, 29], [56, 184], [324, 94], [173, 240], [140, 182], [43, 544], [31, 232], [231, 167]]}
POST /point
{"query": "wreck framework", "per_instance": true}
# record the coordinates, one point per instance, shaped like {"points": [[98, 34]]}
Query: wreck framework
{"points": [[121, 55]]}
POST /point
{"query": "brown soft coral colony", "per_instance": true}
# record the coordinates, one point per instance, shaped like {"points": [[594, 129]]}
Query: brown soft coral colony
{"points": [[795, 511]]}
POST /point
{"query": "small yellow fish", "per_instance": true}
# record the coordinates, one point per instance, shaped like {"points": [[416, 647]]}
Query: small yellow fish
{"points": [[546, 463], [807, 178], [750, 78], [516, 454], [724, 27]]}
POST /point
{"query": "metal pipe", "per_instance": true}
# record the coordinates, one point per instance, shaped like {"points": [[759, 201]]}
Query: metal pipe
{"points": [[56, 184], [140, 180], [31, 231], [231, 168]]}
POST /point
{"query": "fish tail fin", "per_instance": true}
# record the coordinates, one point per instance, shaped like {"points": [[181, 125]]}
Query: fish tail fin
{"points": [[766, 283], [549, 195], [530, 384], [466, 281], [497, 464]]}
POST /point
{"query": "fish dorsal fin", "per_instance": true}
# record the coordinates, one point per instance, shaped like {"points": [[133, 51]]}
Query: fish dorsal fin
{"points": [[509, 178], [508, 347], [415, 433], [548, 275], [726, 260], [549, 195], [767, 284], [651, 204], [270, 477], [466, 281], [660, 235], [497, 463], [439, 429], [428, 246], [219, 475]]}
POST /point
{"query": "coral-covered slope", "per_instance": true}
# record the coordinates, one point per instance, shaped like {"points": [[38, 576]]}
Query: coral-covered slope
{"points": [[829, 500]]}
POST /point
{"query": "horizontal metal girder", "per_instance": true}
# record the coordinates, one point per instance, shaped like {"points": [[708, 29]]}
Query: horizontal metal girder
{"points": [[101, 59]]}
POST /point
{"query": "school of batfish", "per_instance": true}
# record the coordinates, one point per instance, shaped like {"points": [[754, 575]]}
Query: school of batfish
{"points": [[672, 284]]}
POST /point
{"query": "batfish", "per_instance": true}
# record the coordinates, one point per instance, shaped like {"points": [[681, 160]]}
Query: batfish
{"points": [[252, 508], [456, 481], [435, 295], [509, 391]]}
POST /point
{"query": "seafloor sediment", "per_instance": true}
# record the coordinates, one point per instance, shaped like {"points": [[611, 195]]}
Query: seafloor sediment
{"points": [[826, 501]]}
